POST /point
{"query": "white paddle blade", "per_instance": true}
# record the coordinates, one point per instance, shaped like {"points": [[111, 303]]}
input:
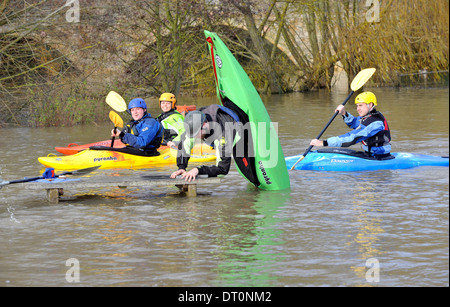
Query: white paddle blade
{"points": [[298, 161], [116, 102], [361, 78], [3, 183]]}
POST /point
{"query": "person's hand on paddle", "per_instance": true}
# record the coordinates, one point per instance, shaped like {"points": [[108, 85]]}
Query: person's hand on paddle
{"points": [[171, 144], [316, 142], [341, 109], [115, 132]]}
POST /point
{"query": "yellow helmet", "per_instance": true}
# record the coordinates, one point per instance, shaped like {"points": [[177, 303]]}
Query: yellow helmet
{"points": [[366, 97], [168, 97]]}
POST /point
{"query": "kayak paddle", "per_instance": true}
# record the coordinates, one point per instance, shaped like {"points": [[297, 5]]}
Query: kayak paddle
{"points": [[116, 102], [361, 78], [79, 172], [118, 122]]}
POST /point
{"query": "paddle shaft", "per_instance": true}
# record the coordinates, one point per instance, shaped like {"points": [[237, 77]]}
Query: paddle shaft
{"points": [[28, 179], [323, 130], [117, 121], [329, 122], [112, 139], [80, 172]]}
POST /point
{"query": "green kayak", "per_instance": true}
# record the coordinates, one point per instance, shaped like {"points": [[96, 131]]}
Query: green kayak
{"points": [[266, 167]]}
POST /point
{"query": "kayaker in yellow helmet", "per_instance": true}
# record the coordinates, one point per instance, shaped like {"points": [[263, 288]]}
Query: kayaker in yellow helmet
{"points": [[171, 119], [143, 132], [370, 128]]}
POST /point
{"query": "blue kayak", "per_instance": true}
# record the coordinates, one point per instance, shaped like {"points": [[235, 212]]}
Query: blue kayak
{"points": [[345, 160]]}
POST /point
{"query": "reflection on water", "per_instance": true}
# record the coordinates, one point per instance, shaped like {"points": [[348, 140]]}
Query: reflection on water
{"points": [[368, 206], [250, 242], [320, 233]]}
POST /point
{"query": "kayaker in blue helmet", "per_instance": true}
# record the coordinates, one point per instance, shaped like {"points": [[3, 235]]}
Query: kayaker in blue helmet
{"points": [[222, 128], [370, 128], [143, 132]]}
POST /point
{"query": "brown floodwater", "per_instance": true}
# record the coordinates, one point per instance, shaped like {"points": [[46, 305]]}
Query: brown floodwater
{"points": [[327, 230]]}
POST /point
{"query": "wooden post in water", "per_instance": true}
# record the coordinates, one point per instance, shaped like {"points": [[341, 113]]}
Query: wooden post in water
{"points": [[192, 190]]}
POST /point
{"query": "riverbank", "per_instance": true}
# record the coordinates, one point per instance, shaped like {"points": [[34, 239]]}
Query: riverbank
{"points": [[91, 109], [58, 62]]}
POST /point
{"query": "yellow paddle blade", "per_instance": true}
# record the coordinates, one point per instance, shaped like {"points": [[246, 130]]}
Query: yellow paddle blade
{"points": [[295, 164], [116, 102], [116, 119], [361, 78]]}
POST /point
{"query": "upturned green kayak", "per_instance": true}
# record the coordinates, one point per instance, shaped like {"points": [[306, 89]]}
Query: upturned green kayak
{"points": [[236, 91]]}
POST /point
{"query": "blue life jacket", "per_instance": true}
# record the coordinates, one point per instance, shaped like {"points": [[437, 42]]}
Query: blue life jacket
{"points": [[143, 134]]}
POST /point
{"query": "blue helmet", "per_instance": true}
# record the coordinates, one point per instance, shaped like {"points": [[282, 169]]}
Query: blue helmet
{"points": [[137, 103]]}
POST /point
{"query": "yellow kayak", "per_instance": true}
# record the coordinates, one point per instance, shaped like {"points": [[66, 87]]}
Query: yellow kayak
{"points": [[115, 159]]}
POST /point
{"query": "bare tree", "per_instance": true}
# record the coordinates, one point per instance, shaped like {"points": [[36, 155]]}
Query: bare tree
{"points": [[248, 12], [163, 31], [36, 77]]}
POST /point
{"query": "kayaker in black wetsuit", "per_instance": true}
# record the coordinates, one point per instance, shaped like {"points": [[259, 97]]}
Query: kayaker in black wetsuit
{"points": [[221, 127], [370, 128]]}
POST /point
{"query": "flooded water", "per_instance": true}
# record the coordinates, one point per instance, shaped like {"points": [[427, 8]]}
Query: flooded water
{"points": [[380, 228]]}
